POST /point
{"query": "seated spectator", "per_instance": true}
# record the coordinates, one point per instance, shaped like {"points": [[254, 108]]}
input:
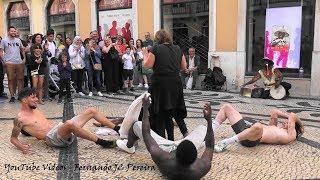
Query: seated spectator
{"points": [[193, 63]]}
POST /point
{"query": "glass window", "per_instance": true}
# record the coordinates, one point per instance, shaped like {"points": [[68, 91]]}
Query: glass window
{"points": [[114, 4], [188, 22], [256, 19], [18, 16], [61, 17]]}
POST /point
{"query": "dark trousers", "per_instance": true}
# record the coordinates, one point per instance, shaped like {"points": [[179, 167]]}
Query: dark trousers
{"points": [[111, 75], [28, 78], [94, 79], [78, 78], [64, 84], [1, 78], [286, 86], [163, 122]]}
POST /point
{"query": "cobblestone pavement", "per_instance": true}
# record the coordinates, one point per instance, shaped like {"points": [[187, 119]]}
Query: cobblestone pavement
{"points": [[299, 160]]}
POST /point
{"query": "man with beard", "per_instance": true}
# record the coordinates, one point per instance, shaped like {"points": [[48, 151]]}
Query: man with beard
{"points": [[10, 49], [33, 121]]}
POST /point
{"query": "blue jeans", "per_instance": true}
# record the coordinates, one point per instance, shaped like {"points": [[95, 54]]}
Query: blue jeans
{"points": [[94, 79]]}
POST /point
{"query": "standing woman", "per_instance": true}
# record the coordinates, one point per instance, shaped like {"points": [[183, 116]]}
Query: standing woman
{"points": [[166, 87], [38, 64], [142, 72], [77, 54], [93, 66], [111, 65]]}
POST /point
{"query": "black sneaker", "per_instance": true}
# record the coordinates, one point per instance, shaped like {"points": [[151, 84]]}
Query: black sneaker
{"points": [[4, 96], [131, 89], [59, 101]]}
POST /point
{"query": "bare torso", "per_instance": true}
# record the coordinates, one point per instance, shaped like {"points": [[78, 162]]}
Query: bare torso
{"points": [[275, 135], [35, 123]]}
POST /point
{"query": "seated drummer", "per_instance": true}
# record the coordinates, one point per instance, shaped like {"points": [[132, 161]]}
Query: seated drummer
{"points": [[32, 121], [270, 76]]}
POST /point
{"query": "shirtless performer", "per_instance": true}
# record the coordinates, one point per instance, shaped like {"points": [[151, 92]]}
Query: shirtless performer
{"points": [[175, 162], [251, 135], [32, 120]]}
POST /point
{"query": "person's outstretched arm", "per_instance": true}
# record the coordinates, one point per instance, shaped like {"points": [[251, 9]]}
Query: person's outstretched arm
{"points": [[253, 80], [204, 163], [155, 151], [17, 126]]}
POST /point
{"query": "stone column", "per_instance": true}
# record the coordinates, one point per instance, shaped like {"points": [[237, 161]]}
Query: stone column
{"points": [[315, 65]]}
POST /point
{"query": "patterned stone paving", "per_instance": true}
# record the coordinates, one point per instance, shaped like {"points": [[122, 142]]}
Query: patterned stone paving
{"points": [[299, 160]]}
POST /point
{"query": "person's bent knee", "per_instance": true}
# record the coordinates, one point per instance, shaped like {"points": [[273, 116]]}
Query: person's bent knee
{"points": [[227, 106], [70, 124], [256, 129], [91, 111]]}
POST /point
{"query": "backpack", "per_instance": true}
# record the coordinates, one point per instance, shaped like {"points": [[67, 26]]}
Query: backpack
{"points": [[219, 78]]}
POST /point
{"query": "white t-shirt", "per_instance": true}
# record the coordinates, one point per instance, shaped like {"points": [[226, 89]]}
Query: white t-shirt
{"points": [[52, 48], [191, 63], [127, 61]]}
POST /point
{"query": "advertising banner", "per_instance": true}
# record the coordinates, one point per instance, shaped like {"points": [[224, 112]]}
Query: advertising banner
{"points": [[283, 36], [117, 22]]}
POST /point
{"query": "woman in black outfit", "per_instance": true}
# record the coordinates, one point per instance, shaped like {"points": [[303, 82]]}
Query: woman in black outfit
{"points": [[166, 87], [110, 58], [38, 63]]}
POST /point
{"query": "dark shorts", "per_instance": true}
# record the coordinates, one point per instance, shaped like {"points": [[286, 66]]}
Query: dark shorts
{"points": [[241, 126], [128, 74]]}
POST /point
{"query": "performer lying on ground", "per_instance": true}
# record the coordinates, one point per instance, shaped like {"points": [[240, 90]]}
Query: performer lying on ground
{"points": [[175, 159], [33, 121], [252, 135]]}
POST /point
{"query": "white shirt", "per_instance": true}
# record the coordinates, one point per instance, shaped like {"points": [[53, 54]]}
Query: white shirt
{"points": [[76, 57], [127, 61], [52, 48], [191, 62]]}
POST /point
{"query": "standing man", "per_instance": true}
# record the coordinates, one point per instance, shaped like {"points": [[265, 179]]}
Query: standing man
{"points": [[193, 63], [50, 46], [148, 41], [10, 49]]}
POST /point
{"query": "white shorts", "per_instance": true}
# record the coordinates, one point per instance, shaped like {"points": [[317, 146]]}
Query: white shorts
{"points": [[54, 139], [197, 137]]}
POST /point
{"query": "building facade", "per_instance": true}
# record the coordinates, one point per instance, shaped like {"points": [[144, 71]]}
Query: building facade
{"points": [[232, 29]]}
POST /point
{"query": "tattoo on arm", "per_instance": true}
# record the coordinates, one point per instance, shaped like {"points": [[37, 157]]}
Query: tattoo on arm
{"points": [[17, 126]]}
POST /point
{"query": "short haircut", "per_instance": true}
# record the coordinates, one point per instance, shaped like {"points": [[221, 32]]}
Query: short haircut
{"points": [[93, 31], [26, 92], [186, 153], [11, 27], [50, 32]]}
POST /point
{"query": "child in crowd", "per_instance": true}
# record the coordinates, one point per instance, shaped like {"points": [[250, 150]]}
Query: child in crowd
{"points": [[128, 60], [65, 70]]}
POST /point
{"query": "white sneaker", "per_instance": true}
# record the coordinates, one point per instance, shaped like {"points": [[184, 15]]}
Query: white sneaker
{"points": [[90, 94], [100, 94], [220, 146], [122, 144], [81, 94], [146, 86], [140, 85]]}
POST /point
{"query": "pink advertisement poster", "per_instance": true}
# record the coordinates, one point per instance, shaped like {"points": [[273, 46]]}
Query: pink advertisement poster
{"points": [[283, 36]]}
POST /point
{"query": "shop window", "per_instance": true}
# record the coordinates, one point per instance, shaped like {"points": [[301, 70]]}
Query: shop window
{"points": [[61, 17], [256, 28], [18, 16], [188, 22]]}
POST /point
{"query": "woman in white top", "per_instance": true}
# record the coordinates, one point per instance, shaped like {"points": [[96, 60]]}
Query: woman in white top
{"points": [[142, 71], [77, 54]]}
